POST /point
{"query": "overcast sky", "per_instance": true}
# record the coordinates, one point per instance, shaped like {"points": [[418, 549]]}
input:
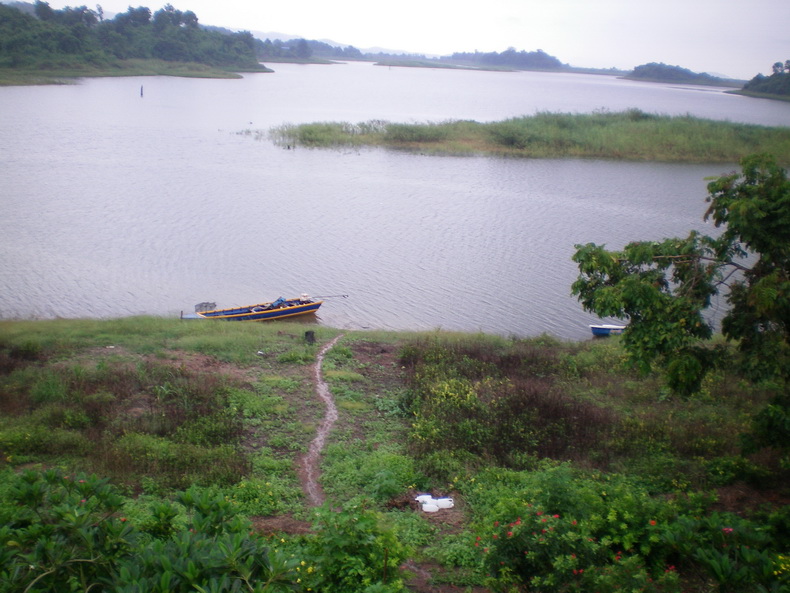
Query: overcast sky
{"points": [[736, 38]]}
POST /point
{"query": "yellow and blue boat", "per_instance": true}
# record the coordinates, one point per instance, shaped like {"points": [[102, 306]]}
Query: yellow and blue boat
{"points": [[279, 309]]}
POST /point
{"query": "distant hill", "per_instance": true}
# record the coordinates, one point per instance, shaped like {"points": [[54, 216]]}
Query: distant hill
{"points": [[660, 72]]}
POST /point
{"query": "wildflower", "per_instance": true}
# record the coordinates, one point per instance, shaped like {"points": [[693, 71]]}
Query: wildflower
{"points": [[727, 529], [123, 519], [556, 516], [573, 522], [510, 534], [652, 521]]}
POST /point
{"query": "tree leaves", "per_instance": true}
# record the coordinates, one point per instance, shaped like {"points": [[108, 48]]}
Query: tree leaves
{"points": [[665, 287]]}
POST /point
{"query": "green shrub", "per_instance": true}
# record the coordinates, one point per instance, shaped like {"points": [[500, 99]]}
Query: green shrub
{"points": [[272, 495], [181, 464], [355, 552], [380, 474], [43, 440]]}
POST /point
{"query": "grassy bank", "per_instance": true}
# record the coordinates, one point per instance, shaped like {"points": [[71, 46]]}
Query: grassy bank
{"points": [[629, 135], [65, 73], [200, 426]]}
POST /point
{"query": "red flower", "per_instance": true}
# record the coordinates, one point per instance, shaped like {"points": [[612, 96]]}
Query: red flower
{"points": [[556, 516], [652, 521], [510, 534]]}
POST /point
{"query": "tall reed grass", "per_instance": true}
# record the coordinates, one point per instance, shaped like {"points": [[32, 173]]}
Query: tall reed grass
{"points": [[629, 135]]}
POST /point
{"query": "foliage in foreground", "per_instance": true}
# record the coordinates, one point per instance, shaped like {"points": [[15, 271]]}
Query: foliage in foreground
{"points": [[68, 533], [660, 458], [559, 529]]}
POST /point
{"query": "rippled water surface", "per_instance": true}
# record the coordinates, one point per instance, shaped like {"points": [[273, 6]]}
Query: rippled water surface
{"points": [[117, 205]]}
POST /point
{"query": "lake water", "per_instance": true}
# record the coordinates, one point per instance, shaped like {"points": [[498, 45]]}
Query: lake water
{"points": [[115, 204]]}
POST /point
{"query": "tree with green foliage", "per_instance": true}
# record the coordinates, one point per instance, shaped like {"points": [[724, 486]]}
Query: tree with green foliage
{"points": [[79, 36], [664, 288]]}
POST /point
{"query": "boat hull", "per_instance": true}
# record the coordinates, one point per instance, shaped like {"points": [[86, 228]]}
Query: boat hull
{"points": [[261, 311], [601, 331]]}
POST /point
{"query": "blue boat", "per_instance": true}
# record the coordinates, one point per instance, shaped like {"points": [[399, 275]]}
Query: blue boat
{"points": [[279, 309], [603, 330]]}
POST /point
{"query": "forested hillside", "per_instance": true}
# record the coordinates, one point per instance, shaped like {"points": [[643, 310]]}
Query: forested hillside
{"points": [[82, 36], [776, 84]]}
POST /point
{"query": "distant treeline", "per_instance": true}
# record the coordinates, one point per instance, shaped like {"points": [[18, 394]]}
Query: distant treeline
{"points": [[71, 36], [304, 49], [663, 72], [776, 84], [510, 58]]}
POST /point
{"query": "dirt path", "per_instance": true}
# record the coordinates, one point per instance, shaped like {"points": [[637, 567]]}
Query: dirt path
{"points": [[309, 463]]}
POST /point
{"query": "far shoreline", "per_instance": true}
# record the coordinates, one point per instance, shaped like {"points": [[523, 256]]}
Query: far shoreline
{"points": [[123, 68]]}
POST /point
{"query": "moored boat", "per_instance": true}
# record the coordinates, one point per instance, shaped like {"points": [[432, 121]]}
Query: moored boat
{"points": [[278, 309], [605, 329]]}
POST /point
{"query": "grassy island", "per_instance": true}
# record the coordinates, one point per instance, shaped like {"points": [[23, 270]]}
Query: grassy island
{"points": [[629, 135], [150, 454]]}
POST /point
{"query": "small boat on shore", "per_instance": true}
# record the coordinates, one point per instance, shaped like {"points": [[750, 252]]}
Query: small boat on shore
{"points": [[605, 329], [278, 309]]}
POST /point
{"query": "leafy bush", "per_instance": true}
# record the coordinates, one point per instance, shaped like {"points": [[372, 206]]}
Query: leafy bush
{"points": [[65, 533], [355, 552]]}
